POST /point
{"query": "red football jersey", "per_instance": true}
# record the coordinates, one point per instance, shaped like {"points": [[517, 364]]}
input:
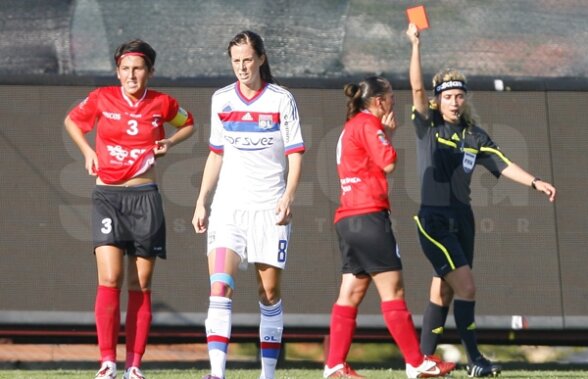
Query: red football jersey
{"points": [[126, 131], [363, 151]]}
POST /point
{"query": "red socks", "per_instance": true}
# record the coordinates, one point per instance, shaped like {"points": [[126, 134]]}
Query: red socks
{"points": [[107, 313], [341, 333], [137, 326], [399, 322], [138, 322]]}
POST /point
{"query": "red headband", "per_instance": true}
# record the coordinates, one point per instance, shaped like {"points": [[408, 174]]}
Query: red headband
{"points": [[130, 54]]}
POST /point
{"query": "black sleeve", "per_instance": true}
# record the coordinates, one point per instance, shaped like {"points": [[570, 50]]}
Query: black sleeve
{"points": [[490, 156], [421, 123]]}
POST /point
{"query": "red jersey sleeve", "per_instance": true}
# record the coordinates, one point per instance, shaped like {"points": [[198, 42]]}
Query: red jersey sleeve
{"points": [[378, 145], [84, 115]]}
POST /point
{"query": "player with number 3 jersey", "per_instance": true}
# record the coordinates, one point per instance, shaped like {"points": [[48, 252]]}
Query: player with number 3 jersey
{"points": [[127, 130], [127, 210]]}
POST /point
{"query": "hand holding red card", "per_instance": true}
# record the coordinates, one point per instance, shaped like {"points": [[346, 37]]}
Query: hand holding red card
{"points": [[418, 16]]}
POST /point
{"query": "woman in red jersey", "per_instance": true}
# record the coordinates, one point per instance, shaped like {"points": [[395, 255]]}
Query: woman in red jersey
{"points": [[368, 247], [127, 211]]}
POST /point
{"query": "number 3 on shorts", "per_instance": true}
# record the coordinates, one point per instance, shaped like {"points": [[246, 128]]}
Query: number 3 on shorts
{"points": [[282, 250], [106, 225]]}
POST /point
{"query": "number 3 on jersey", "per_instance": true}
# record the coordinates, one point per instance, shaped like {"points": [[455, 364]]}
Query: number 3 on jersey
{"points": [[282, 250], [133, 129]]}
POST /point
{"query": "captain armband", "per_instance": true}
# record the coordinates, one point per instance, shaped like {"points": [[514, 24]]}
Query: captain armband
{"points": [[180, 118]]}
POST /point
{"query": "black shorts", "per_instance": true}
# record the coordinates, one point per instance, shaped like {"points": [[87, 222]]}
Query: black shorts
{"points": [[447, 237], [130, 218], [368, 244]]}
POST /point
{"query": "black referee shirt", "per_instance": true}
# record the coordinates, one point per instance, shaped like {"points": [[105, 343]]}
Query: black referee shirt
{"points": [[447, 155]]}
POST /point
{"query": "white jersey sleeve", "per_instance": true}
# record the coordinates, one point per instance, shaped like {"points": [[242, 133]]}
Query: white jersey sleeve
{"points": [[216, 141], [290, 125]]}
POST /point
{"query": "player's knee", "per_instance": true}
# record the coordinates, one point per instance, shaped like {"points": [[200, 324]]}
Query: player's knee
{"points": [[221, 284], [467, 291], [140, 283], [352, 295], [353, 300], [398, 293], [113, 280]]}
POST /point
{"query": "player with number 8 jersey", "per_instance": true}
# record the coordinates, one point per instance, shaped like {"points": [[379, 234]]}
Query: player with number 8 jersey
{"points": [[255, 140]]}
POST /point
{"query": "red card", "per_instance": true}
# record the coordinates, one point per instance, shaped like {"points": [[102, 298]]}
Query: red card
{"points": [[418, 16]]}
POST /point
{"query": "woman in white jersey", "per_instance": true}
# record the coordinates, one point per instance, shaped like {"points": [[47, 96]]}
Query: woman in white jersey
{"points": [[255, 139]]}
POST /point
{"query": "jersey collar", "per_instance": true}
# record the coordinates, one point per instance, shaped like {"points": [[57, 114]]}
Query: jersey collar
{"points": [[128, 99], [254, 97]]}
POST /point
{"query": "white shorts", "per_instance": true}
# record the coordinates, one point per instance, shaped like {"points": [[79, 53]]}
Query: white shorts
{"points": [[253, 234]]}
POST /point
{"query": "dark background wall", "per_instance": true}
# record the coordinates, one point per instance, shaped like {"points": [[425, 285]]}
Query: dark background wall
{"points": [[530, 254]]}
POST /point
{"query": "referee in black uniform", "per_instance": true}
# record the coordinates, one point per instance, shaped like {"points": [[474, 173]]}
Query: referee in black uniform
{"points": [[449, 146]]}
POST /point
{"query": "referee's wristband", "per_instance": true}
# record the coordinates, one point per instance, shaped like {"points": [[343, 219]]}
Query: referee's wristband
{"points": [[535, 181]]}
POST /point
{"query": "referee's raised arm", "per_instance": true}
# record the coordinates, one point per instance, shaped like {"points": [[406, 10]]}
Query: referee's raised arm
{"points": [[419, 95]]}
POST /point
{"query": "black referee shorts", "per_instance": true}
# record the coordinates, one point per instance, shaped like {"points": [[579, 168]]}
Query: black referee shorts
{"points": [[367, 244], [130, 218], [447, 237]]}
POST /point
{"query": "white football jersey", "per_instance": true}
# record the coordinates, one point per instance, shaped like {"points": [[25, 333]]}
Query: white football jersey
{"points": [[255, 136]]}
